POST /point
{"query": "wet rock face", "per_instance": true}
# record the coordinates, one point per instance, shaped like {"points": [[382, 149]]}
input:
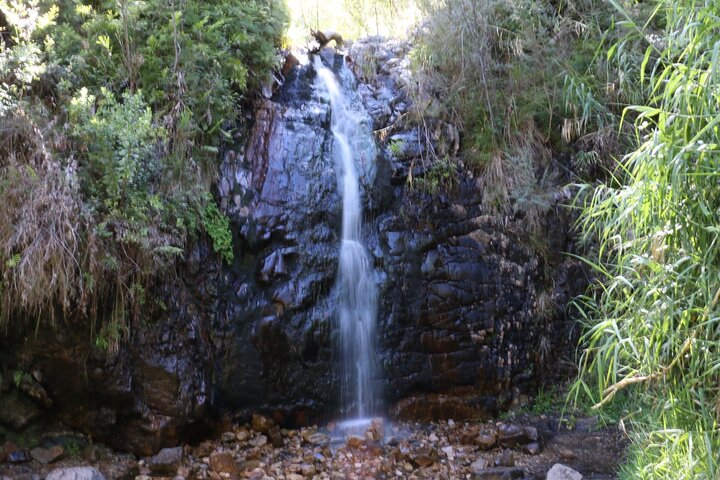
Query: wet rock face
{"points": [[274, 328], [152, 393], [463, 317]]}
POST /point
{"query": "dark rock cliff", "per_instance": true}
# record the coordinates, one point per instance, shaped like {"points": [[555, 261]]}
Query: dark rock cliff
{"points": [[472, 311]]}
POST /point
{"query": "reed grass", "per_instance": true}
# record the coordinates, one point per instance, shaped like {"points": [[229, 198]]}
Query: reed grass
{"points": [[653, 319]]}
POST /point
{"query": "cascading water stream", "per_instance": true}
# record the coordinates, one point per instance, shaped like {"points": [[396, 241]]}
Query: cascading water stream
{"points": [[357, 309]]}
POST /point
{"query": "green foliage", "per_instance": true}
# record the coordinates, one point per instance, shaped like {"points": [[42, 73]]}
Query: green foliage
{"points": [[20, 376], [521, 81], [118, 142], [442, 174], [217, 226], [112, 116], [653, 320]]}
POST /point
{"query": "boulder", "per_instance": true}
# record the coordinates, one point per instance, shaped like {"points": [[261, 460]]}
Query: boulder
{"points": [[167, 461], [48, 455]]}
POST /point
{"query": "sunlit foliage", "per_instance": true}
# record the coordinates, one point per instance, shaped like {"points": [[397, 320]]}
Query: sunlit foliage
{"points": [[653, 319]]}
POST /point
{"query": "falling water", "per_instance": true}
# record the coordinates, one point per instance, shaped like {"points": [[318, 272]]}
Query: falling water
{"points": [[357, 308]]}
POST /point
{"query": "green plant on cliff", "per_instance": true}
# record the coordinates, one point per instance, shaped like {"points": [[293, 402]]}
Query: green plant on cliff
{"points": [[653, 318], [504, 72], [218, 227], [111, 118]]}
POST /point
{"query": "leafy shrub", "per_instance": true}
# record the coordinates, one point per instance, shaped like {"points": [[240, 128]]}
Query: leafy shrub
{"points": [[118, 142], [217, 226], [112, 115]]}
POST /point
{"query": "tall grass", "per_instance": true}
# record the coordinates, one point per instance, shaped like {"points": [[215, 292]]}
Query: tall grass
{"points": [[654, 319]]}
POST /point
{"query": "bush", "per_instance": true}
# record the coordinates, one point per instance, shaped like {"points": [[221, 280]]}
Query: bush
{"points": [[653, 319], [112, 116], [504, 72]]}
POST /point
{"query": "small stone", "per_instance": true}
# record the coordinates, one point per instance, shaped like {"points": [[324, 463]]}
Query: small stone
{"points": [[487, 438], [468, 437], [479, 465], [376, 431], [261, 423], [506, 459], [449, 452], [531, 433], [294, 476], [204, 449], [167, 461], [587, 424], [318, 438], [511, 435], [451, 422], [250, 465], [76, 473], [258, 441], [276, 437], [48, 455], [499, 473], [532, 448], [562, 472], [228, 437], [308, 470], [242, 435], [354, 441], [223, 462], [257, 474], [425, 456], [18, 456]]}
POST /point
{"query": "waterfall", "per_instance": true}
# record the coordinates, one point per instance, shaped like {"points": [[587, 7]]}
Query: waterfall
{"points": [[357, 310]]}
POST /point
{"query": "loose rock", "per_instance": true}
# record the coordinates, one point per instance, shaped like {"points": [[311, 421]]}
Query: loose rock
{"points": [[276, 437], [479, 465], [77, 473], [563, 472], [261, 423], [47, 455], [532, 448], [223, 462], [167, 461], [425, 456], [506, 459], [18, 456], [258, 441]]}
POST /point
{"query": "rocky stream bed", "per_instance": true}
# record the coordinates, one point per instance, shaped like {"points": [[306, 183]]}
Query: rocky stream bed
{"points": [[533, 448]]}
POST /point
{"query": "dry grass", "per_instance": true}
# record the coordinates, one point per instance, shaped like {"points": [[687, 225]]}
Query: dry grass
{"points": [[54, 261]]}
